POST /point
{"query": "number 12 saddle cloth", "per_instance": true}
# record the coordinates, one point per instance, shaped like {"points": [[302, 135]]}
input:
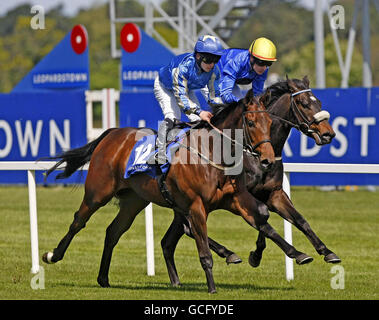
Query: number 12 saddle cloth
{"points": [[144, 150]]}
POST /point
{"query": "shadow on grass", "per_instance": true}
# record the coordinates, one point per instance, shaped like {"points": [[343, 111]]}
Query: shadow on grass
{"points": [[192, 287]]}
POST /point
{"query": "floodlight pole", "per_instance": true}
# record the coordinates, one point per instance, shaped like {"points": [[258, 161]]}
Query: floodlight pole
{"points": [[319, 44], [367, 73]]}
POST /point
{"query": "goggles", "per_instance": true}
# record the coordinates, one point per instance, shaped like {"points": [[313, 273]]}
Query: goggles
{"points": [[262, 63], [209, 58]]}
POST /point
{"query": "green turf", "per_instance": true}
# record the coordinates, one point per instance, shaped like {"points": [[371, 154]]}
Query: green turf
{"points": [[347, 222]]}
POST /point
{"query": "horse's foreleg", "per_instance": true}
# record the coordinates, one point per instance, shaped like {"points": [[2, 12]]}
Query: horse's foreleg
{"points": [[280, 203], [130, 205], [255, 257], [168, 243], [198, 220], [256, 214]]}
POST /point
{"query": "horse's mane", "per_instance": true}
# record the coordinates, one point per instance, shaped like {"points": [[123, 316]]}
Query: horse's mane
{"points": [[222, 110], [275, 91]]}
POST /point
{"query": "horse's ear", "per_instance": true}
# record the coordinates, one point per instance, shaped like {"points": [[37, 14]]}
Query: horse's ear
{"points": [[306, 81], [249, 96], [291, 84], [264, 98]]}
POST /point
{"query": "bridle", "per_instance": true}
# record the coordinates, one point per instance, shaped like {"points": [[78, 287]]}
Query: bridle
{"points": [[246, 135], [303, 124]]}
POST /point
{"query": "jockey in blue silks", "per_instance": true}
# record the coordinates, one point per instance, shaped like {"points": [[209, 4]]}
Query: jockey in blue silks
{"points": [[240, 66], [174, 87]]}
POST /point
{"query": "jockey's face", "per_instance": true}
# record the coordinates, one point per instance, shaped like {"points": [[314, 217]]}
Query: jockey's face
{"points": [[207, 61], [259, 68], [207, 67]]}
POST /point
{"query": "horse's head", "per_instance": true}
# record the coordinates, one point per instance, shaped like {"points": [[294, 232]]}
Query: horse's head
{"points": [[307, 112], [257, 129]]}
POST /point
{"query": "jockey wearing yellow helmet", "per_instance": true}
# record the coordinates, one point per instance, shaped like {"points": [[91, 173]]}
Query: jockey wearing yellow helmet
{"points": [[241, 66]]}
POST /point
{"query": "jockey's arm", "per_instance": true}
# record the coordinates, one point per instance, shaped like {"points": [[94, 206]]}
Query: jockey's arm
{"points": [[258, 83], [214, 95], [227, 83], [180, 90]]}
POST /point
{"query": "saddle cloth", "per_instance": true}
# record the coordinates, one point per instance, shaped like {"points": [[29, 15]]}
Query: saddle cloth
{"points": [[144, 149]]}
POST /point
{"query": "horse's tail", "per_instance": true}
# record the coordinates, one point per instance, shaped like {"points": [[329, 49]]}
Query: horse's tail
{"points": [[75, 158]]}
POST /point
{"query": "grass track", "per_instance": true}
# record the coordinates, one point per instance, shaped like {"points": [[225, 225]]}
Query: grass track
{"points": [[347, 222]]}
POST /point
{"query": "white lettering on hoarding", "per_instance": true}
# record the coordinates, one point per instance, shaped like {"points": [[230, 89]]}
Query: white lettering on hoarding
{"points": [[8, 139], [139, 75], [27, 137], [364, 123], [60, 77], [56, 135], [341, 149], [340, 137]]}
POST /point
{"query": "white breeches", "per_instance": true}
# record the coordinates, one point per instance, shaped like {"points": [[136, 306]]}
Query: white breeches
{"points": [[167, 102]]}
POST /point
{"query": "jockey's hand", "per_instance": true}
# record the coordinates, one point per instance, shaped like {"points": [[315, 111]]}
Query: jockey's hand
{"points": [[206, 116]]}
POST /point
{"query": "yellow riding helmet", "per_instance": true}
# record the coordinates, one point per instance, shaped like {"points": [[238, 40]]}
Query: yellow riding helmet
{"points": [[263, 49]]}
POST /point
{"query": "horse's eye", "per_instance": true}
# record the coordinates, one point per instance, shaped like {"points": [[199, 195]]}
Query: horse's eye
{"points": [[250, 123]]}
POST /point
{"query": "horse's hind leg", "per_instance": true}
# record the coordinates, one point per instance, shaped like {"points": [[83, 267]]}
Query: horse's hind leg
{"points": [[87, 208], [130, 205], [178, 227]]}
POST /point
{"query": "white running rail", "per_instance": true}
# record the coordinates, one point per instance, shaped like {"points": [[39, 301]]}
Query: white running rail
{"points": [[31, 167]]}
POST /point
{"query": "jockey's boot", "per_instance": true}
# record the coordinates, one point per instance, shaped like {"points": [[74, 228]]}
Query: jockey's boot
{"points": [[165, 126]]}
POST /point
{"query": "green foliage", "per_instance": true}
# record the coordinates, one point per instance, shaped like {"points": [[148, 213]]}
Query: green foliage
{"points": [[285, 22], [298, 63]]}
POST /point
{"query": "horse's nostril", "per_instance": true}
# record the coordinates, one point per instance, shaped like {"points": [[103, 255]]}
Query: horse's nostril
{"points": [[328, 136], [266, 164]]}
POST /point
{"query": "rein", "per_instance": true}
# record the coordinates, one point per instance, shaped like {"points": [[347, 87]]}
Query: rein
{"points": [[247, 148]]}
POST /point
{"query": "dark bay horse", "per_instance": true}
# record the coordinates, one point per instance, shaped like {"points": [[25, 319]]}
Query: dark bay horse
{"points": [[291, 104], [197, 189]]}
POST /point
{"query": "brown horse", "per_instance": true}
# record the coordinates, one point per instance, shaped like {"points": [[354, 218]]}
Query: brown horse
{"points": [[291, 105], [197, 189]]}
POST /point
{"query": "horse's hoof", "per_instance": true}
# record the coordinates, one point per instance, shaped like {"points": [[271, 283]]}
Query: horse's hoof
{"points": [[303, 259], [212, 291], [104, 283], [47, 257], [332, 258], [254, 259], [233, 258]]}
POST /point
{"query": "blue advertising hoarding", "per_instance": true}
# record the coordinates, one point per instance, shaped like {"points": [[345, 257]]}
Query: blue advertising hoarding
{"points": [[354, 117], [145, 56], [64, 67], [34, 125], [46, 112]]}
